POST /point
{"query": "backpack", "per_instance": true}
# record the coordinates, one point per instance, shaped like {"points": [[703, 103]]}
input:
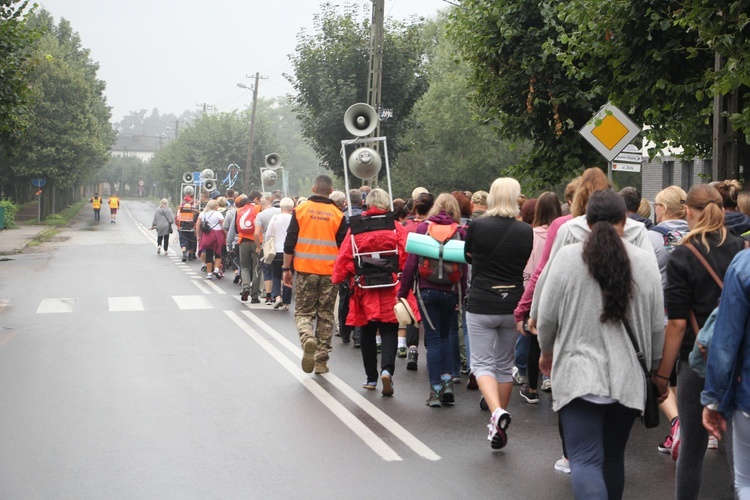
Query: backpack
{"points": [[671, 238], [439, 271]]}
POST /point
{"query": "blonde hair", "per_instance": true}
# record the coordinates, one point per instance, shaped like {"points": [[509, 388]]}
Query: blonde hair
{"points": [[211, 205], [446, 202], [504, 196], [222, 201], [673, 199], [592, 180], [743, 202], [164, 202], [729, 191], [706, 201], [379, 199], [644, 208]]}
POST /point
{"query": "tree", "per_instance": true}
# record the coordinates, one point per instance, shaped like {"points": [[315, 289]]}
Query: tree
{"points": [[69, 133], [331, 73], [16, 49], [528, 93], [449, 140]]}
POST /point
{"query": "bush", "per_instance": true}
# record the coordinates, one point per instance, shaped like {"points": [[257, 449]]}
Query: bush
{"points": [[10, 213]]}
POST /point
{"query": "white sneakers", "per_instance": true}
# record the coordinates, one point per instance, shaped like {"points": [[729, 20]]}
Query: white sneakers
{"points": [[499, 422]]}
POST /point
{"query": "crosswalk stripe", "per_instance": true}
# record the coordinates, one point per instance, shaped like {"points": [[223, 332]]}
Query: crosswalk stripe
{"points": [[117, 304], [51, 305], [192, 302]]}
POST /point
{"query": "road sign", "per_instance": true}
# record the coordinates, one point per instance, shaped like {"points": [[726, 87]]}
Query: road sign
{"points": [[626, 167], [610, 131], [39, 182], [628, 158]]}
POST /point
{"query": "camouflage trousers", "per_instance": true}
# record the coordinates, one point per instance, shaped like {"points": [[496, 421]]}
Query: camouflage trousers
{"points": [[315, 297]]}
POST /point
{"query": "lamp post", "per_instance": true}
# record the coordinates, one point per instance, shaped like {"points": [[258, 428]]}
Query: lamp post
{"points": [[252, 130]]}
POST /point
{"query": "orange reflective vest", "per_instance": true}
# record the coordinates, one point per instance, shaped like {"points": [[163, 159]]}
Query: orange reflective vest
{"points": [[96, 202], [316, 248], [245, 221]]}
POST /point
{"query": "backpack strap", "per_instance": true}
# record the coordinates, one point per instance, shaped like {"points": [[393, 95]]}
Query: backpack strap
{"points": [[661, 230]]}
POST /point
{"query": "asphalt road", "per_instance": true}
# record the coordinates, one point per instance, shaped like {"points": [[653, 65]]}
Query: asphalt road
{"points": [[126, 374]]}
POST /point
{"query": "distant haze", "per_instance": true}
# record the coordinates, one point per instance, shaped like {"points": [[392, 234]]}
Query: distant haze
{"points": [[177, 56]]}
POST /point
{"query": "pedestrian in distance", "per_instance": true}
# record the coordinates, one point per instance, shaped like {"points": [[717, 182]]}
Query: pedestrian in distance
{"points": [[315, 233], [96, 204], [162, 223], [247, 210], [277, 228], [611, 288], [212, 239], [114, 206], [186, 217]]}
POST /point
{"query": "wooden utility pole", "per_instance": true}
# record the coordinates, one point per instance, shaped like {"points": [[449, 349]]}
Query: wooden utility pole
{"points": [[375, 77], [252, 135]]}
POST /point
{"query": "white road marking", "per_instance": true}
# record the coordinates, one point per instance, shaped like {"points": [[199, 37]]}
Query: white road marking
{"points": [[48, 306], [190, 302], [117, 304], [215, 287], [360, 429], [4, 303], [376, 413]]}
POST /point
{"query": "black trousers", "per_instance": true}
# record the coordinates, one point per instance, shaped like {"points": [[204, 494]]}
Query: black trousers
{"points": [[389, 335]]}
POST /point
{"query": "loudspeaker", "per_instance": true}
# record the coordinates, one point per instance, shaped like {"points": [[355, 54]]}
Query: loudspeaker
{"points": [[365, 163], [273, 160], [269, 177], [360, 119], [188, 191], [208, 174], [187, 177], [209, 184]]}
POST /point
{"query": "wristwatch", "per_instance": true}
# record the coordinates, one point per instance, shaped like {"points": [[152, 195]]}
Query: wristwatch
{"points": [[285, 269]]}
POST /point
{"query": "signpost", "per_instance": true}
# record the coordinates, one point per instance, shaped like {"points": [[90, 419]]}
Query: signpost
{"points": [[610, 132], [39, 182]]}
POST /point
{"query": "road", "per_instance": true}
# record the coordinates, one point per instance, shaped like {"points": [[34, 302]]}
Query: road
{"points": [[125, 374]]}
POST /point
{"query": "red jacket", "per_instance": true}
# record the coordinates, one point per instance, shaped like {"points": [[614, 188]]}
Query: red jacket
{"points": [[371, 304]]}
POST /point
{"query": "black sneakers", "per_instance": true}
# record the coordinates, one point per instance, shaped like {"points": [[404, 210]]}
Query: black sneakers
{"points": [[411, 359]]}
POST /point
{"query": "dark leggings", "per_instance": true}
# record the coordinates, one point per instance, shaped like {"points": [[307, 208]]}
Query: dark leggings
{"points": [[389, 335], [532, 362], [165, 239], [596, 436]]}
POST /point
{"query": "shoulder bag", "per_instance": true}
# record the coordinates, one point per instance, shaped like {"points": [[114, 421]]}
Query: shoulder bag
{"points": [[269, 245], [650, 414]]}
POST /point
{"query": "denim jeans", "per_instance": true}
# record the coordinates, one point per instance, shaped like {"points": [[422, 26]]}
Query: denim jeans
{"points": [[440, 341], [595, 439], [522, 352]]}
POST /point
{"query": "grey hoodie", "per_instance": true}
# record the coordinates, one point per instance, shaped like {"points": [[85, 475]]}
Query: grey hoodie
{"points": [[577, 230]]}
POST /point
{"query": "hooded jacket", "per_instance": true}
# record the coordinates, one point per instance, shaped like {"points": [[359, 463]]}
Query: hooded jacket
{"points": [[737, 222], [577, 230]]}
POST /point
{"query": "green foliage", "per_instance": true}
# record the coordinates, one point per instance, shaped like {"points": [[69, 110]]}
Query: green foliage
{"points": [[449, 140], [16, 51], [525, 93], [10, 213], [69, 133], [331, 68]]}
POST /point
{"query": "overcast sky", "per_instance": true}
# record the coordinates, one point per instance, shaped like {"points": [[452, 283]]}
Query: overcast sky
{"points": [[175, 55]]}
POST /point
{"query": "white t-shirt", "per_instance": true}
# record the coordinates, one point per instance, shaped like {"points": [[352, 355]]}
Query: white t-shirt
{"points": [[277, 228], [214, 219]]}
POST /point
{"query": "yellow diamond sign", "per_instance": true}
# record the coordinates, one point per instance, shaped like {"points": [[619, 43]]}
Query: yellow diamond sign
{"points": [[610, 131]]}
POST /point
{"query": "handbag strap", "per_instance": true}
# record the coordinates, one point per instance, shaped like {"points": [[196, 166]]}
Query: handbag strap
{"points": [[638, 353], [704, 262]]}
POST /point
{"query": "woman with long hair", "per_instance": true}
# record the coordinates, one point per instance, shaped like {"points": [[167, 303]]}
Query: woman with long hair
{"points": [[371, 309], [547, 209], [610, 286], [691, 294], [669, 207], [498, 247], [438, 304]]}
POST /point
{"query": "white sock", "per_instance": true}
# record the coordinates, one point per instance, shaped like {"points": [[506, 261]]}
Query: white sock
{"points": [[402, 341], [378, 339]]}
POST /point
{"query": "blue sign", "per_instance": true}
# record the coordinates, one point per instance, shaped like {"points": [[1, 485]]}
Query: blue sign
{"points": [[197, 178], [39, 182]]}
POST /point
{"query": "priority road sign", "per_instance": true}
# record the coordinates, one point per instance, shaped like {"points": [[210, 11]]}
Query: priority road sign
{"points": [[610, 131]]}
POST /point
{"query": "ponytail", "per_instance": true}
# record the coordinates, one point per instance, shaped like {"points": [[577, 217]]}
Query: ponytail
{"points": [[608, 262], [706, 200]]}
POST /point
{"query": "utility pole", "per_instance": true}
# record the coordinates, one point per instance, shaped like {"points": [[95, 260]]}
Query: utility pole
{"points": [[206, 107], [375, 77], [252, 131]]}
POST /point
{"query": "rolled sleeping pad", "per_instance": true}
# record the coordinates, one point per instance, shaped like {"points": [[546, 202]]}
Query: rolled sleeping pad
{"points": [[427, 246]]}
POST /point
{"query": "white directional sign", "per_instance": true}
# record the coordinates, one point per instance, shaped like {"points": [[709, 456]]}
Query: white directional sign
{"points": [[610, 131], [626, 167]]}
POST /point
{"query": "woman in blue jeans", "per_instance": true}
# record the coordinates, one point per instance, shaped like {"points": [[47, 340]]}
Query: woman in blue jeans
{"points": [[438, 304], [599, 385]]}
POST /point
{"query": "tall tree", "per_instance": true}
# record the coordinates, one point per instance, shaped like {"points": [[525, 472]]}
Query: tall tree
{"points": [[70, 133], [529, 94], [331, 73], [458, 148]]}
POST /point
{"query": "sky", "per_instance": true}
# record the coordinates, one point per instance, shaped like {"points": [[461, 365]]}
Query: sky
{"points": [[177, 55]]}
